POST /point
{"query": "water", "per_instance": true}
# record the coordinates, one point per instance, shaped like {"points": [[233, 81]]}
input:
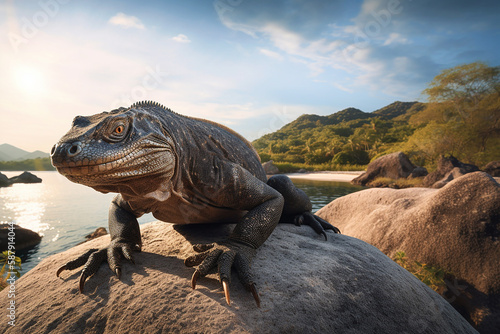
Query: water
{"points": [[64, 212]]}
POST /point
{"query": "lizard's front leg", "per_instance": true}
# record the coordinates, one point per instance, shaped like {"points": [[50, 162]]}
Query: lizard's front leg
{"points": [[242, 191], [125, 238]]}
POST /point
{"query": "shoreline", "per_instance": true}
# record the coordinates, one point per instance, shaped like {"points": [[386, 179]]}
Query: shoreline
{"points": [[336, 176]]}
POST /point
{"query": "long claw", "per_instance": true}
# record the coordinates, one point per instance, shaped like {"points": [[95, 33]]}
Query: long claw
{"points": [[255, 294], [118, 272], [225, 286], [324, 234], [61, 269], [195, 277], [83, 277]]}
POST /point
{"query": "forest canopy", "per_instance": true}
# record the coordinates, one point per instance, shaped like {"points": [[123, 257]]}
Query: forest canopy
{"points": [[461, 118]]}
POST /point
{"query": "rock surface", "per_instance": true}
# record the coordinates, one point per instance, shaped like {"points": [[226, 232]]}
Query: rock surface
{"points": [[395, 166], [307, 285], [24, 238], [456, 227], [270, 168], [493, 168], [444, 172], [25, 177]]}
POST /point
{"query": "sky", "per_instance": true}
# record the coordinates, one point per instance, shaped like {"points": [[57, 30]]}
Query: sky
{"points": [[252, 65]]}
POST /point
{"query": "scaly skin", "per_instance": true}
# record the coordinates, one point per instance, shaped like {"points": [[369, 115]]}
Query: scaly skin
{"points": [[184, 171]]}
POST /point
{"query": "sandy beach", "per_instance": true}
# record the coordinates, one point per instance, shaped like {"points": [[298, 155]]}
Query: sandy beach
{"points": [[326, 176]]}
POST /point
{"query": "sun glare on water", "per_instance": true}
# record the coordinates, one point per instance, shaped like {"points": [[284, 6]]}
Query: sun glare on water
{"points": [[26, 203]]}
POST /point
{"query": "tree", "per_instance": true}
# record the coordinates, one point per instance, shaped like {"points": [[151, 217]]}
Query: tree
{"points": [[467, 98], [464, 86]]}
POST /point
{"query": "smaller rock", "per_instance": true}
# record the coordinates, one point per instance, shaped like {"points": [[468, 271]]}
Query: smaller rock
{"points": [[270, 168], [442, 173], [455, 173], [4, 181], [395, 166], [25, 177], [418, 172], [24, 238], [99, 232], [493, 168]]}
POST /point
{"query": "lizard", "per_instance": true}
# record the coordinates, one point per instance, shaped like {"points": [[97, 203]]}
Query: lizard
{"points": [[183, 170]]}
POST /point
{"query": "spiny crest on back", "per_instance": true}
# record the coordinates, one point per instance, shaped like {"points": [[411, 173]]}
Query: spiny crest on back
{"points": [[146, 104]]}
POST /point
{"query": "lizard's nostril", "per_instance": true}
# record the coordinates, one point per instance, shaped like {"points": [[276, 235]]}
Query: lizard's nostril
{"points": [[75, 148], [53, 150]]}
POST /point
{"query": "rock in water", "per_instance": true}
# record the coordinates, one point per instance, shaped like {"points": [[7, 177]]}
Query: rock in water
{"points": [[25, 177], [395, 166], [24, 238], [4, 181], [456, 228], [306, 284]]}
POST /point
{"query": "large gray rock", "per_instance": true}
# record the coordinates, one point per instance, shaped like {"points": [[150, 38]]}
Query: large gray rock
{"points": [[395, 166], [307, 285], [445, 172], [456, 227]]}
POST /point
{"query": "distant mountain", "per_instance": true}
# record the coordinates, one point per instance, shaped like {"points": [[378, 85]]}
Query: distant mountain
{"points": [[312, 121], [398, 109], [11, 153]]}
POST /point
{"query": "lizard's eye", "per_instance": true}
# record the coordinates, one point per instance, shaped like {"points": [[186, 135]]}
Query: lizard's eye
{"points": [[119, 129]]}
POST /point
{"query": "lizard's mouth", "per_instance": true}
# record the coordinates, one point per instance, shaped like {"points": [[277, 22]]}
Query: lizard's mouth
{"points": [[136, 164]]}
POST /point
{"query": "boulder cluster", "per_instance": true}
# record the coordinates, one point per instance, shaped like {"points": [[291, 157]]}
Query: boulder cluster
{"points": [[397, 165]]}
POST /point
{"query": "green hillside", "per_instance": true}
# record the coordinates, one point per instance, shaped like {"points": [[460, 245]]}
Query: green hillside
{"points": [[349, 136]]}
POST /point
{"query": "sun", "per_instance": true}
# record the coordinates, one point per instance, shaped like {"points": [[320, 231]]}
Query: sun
{"points": [[29, 80]]}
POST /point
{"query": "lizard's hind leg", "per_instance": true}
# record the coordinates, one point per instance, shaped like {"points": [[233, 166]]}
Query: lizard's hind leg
{"points": [[297, 208]]}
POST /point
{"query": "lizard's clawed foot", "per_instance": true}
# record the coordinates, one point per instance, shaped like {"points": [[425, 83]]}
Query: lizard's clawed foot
{"points": [[319, 225], [93, 258], [221, 257]]}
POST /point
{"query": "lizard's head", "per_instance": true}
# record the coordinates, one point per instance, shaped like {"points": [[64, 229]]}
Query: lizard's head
{"points": [[110, 150]]}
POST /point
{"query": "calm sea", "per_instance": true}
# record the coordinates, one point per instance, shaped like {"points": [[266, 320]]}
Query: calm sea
{"points": [[64, 212]]}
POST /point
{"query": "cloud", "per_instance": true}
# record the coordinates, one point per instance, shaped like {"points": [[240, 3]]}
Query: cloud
{"points": [[395, 38], [271, 54], [395, 46], [181, 38], [126, 21]]}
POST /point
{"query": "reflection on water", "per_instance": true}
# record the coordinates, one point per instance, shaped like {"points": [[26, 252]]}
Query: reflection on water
{"points": [[64, 212], [24, 204], [323, 192]]}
